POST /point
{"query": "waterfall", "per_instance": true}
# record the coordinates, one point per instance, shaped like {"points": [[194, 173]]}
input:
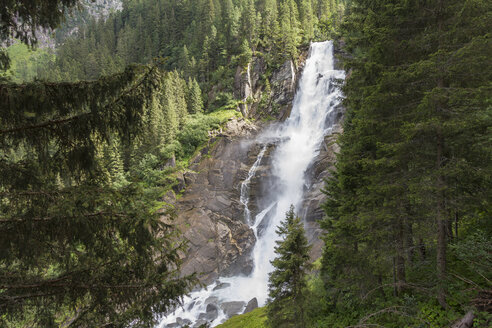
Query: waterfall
{"points": [[301, 136], [244, 198]]}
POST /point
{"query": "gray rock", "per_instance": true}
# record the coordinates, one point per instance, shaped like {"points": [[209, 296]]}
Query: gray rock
{"points": [[232, 308], [211, 300], [212, 308], [200, 322], [266, 220], [190, 307], [212, 312], [252, 304], [222, 285], [190, 177], [183, 322], [173, 325]]}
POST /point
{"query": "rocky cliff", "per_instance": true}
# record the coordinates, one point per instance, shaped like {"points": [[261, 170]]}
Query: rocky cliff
{"points": [[264, 94], [211, 216]]}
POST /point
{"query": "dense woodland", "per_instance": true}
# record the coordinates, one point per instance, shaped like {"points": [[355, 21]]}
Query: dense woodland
{"points": [[409, 212], [92, 134]]}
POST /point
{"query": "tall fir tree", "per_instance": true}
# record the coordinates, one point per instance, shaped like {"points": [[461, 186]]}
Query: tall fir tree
{"points": [[76, 247], [194, 97], [403, 171], [287, 282]]}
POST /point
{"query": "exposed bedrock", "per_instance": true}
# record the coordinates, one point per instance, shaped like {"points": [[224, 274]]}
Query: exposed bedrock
{"points": [[211, 216]]}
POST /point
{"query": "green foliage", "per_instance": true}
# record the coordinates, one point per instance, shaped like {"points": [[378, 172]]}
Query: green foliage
{"points": [[205, 40], [42, 14], [27, 64], [194, 97], [245, 55], [195, 132], [287, 282], [407, 204], [81, 243]]}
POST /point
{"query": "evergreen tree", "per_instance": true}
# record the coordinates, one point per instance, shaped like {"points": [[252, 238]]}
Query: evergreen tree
{"points": [[42, 14], [404, 171], [194, 97], [245, 54], [289, 28], [287, 282], [248, 24], [269, 24], [76, 247]]}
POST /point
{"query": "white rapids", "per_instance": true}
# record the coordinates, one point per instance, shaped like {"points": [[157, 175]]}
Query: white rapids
{"points": [[301, 136]]}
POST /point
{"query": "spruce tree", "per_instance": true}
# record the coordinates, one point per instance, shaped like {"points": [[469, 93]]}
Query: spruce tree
{"points": [[194, 97], [287, 282], [75, 247], [415, 99]]}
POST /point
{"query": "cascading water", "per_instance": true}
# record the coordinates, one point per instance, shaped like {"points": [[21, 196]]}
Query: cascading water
{"points": [[244, 198], [301, 136]]}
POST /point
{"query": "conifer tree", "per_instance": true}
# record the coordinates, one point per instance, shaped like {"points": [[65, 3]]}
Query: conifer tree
{"points": [[75, 246], [404, 169], [287, 282], [194, 97], [289, 28], [269, 24]]}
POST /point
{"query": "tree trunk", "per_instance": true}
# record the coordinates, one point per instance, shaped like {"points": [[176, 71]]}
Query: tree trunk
{"points": [[422, 249], [400, 259], [395, 289], [409, 245], [466, 322], [456, 224], [440, 210]]}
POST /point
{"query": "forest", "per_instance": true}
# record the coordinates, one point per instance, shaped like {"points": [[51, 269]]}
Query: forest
{"points": [[97, 131]]}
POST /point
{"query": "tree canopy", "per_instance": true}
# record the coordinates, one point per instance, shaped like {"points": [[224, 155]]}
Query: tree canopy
{"points": [[412, 177], [287, 282], [80, 246]]}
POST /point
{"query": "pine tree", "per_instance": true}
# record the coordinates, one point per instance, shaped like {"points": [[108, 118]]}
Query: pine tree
{"points": [[269, 24], [74, 246], [289, 28], [287, 282], [404, 169], [248, 23], [245, 54], [194, 97]]}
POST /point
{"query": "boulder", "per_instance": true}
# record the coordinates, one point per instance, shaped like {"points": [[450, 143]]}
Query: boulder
{"points": [[252, 304], [212, 308], [211, 300], [183, 322], [199, 323], [232, 308], [212, 312], [221, 285], [173, 325]]}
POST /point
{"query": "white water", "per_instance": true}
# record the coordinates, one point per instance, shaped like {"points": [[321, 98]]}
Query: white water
{"points": [[244, 198], [302, 134]]}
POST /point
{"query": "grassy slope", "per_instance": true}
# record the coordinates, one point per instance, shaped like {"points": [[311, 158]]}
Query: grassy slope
{"points": [[254, 319]]}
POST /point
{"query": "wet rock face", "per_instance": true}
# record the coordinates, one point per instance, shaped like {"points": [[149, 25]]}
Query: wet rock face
{"points": [[249, 85], [252, 304], [211, 216], [319, 170], [232, 308]]}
